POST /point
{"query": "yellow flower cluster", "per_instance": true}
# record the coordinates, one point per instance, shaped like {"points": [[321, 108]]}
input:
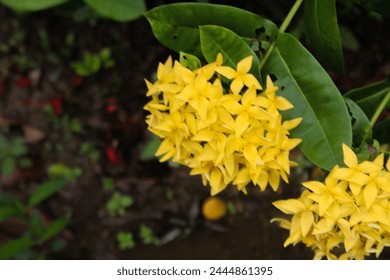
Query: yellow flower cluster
{"points": [[347, 216], [232, 135]]}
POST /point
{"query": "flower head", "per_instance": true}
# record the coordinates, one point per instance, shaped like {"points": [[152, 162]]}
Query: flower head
{"points": [[345, 217], [225, 137], [240, 76]]}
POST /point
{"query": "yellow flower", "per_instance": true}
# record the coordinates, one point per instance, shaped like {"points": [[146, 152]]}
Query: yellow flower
{"points": [[227, 138], [240, 77], [342, 211]]}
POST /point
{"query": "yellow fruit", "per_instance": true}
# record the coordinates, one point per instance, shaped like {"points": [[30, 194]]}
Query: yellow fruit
{"points": [[214, 208]]}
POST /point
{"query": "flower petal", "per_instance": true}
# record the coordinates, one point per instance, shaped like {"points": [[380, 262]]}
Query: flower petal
{"points": [[350, 158], [244, 65], [324, 202], [370, 193], [289, 206], [236, 86], [227, 72], [307, 220]]}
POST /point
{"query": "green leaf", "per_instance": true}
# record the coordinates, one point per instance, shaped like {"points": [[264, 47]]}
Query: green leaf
{"points": [[17, 147], [53, 229], [149, 151], [302, 80], [189, 61], [10, 211], [31, 5], [369, 97], [90, 64], [323, 33], [348, 39], [45, 190], [14, 247], [108, 184], [118, 203], [216, 39], [36, 224], [119, 10], [8, 166], [176, 25], [125, 240], [60, 170], [361, 128], [10, 206], [148, 236]]}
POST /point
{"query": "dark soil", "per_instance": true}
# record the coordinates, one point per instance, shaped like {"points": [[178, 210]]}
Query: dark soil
{"points": [[35, 72]]}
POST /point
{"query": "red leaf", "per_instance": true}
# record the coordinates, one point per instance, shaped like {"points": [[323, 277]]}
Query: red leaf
{"points": [[56, 104], [77, 81], [113, 155], [111, 106], [23, 82]]}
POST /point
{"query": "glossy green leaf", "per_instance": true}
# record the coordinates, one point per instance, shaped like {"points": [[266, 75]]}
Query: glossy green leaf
{"points": [[45, 190], [302, 80], [216, 39], [13, 247], [323, 33], [119, 10], [31, 5], [176, 25], [369, 97], [361, 128], [53, 229], [189, 61]]}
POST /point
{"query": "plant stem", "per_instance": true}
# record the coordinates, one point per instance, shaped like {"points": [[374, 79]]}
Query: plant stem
{"points": [[380, 108], [290, 16], [282, 29]]}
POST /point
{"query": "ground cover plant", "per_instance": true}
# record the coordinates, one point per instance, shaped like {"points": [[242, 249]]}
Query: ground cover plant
{"points": [[279, 110]]}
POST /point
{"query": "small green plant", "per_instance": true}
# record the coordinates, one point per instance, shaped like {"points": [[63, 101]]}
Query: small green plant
{"points": [[12, 155], [92, 63], [39, 230], [117, 204], [125, 240], [60, 170], [108, 184], [148, 236], [90, 151]]}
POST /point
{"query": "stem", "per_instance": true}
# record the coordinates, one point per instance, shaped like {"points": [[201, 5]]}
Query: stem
{"points": [[282, 29], [380, 108], [290, 16]]}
